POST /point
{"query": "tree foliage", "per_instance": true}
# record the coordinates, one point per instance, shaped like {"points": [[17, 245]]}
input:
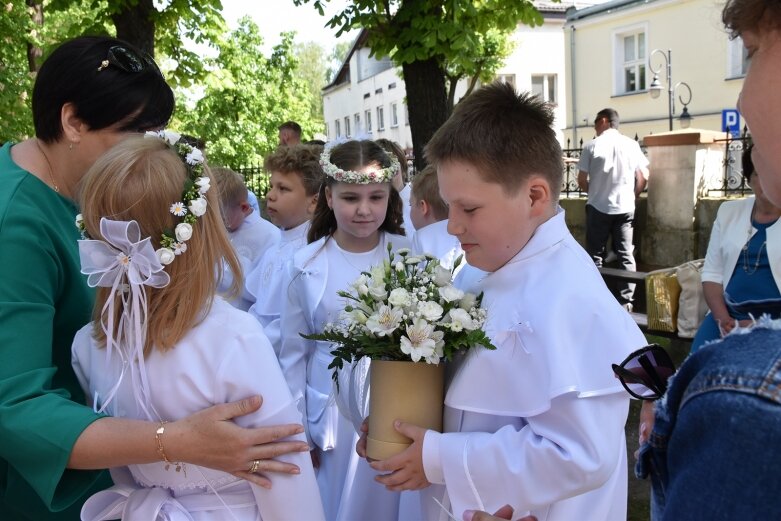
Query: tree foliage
{"points": [[313, 70], [432, 41], [247, 97]]}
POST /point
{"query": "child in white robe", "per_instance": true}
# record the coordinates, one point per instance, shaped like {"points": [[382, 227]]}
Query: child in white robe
{"points": [[163, 346], [400, 181], [429, 216], [358, 216], [296, 177], [539, 423], [250, 234]]}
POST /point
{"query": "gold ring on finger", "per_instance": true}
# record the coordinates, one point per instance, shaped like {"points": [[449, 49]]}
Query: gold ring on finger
{"points": [[254, 467]]}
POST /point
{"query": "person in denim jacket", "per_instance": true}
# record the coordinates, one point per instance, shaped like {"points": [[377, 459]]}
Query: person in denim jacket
{"points": [[713, 451]]}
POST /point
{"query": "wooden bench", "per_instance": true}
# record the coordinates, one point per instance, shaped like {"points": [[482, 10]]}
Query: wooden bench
{"points": [[640, 318]]}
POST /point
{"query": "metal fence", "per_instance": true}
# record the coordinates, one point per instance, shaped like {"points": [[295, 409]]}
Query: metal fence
{"points": [[256, 179], [733, 182]]}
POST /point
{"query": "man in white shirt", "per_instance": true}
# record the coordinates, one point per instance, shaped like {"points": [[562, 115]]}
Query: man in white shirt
{"points": [[613, 170]]}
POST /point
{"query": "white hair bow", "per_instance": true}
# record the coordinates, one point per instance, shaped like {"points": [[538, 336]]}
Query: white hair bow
{"points": [[124, 262]]}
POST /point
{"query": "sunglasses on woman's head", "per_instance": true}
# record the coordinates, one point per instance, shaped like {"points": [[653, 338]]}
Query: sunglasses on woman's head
{"points": [[128, 60], [645, 372]]}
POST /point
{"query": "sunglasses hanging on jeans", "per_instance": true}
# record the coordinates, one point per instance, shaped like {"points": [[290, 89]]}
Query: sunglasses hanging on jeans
{"points": [[128, 60], [645, 372]]}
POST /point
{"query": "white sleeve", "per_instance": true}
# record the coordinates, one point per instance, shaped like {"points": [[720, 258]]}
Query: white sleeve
{"points": [[251, 368], [713, 268], [81, 360], [568, 450], [294, 351]]}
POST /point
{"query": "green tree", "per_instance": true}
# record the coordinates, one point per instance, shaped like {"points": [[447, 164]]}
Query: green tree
{"points": [[246, 98], [428, 40], [161, 29], [313, 70], [338, 54]]}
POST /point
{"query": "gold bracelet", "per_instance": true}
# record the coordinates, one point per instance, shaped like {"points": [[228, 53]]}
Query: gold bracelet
{"points": [[159, 440]]}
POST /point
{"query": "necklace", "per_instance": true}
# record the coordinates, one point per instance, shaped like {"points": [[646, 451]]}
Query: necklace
{"points": [[51, 170], [374, 256], [747, 265]]}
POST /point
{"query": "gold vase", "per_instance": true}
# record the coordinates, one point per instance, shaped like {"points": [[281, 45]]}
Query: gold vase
{"points": [[408, 391]]}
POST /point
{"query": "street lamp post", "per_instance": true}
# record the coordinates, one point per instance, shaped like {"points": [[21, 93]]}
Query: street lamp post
{"points": [[655, 89]]}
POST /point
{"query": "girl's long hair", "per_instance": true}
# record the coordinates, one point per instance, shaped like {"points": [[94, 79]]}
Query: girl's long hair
{"points": [[139, 179], [354, 155]]}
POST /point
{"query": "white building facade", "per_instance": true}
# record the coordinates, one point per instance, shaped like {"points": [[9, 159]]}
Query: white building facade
{"points": [[367, 96]]}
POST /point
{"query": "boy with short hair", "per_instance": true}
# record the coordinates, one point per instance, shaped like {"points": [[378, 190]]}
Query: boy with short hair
{"points": [[538, 423], [250, 234], [428, 214], [296, 176]]}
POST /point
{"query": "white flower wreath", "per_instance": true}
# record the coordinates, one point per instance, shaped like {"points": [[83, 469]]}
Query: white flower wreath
{"points": [[192, 205], [383, 175]]}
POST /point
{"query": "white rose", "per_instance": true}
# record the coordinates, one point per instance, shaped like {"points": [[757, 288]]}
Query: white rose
{"points": [[170, 136], [79, 221], [468, 301], [450, 293], [377, 273], [203, 184], [400, 297], [441, 276], [460, 319], [377, 291], [197, 206], [183, 232], [165, 256], [194, 157], [431, 311]]}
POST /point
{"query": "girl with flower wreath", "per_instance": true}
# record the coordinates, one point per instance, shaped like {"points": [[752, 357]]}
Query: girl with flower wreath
{"points": [[162, 345], [358, 216]]}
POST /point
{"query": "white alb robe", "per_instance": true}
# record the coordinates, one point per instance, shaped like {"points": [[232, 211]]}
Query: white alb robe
{"points": [[224, 358], [539, 423]]}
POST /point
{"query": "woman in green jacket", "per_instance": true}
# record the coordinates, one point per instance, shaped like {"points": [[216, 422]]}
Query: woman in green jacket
{"points": [[89, 94]]}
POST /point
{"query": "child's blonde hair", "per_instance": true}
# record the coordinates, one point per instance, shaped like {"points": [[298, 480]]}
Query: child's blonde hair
{"points": [[300, 160], [230, 186], [426, 188], [139, 179]]}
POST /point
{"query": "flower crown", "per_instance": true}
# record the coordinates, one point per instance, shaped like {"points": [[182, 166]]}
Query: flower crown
{"points": [[192, 205], [383, 175]]}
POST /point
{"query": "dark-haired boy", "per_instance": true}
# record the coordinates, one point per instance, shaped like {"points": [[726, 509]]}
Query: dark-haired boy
{"points": [[538, 423]]}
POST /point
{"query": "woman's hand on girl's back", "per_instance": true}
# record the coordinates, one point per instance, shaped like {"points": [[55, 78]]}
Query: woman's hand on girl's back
{"points": [[210, 438]]}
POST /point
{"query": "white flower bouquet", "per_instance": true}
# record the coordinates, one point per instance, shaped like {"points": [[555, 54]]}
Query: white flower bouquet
{"points": [[406, 316], [405, 309]]}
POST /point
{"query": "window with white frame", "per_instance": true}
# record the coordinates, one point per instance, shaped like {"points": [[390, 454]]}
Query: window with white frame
{"points": [[545, 87], [394, 114], [506, 78], [631, 61], [368, 117], [357, 121], [338, 128], [380, 118], [347, 126], [738, 58]]}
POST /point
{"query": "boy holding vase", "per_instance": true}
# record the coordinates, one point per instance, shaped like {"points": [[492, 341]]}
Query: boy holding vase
{"points": [[539, 422]]}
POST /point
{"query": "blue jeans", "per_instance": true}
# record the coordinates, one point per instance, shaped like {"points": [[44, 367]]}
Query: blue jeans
{"points": [[620, 227], [714, 451]]}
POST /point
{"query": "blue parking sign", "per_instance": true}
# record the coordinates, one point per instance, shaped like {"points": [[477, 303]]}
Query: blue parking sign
{"points": [[730, 122]]}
